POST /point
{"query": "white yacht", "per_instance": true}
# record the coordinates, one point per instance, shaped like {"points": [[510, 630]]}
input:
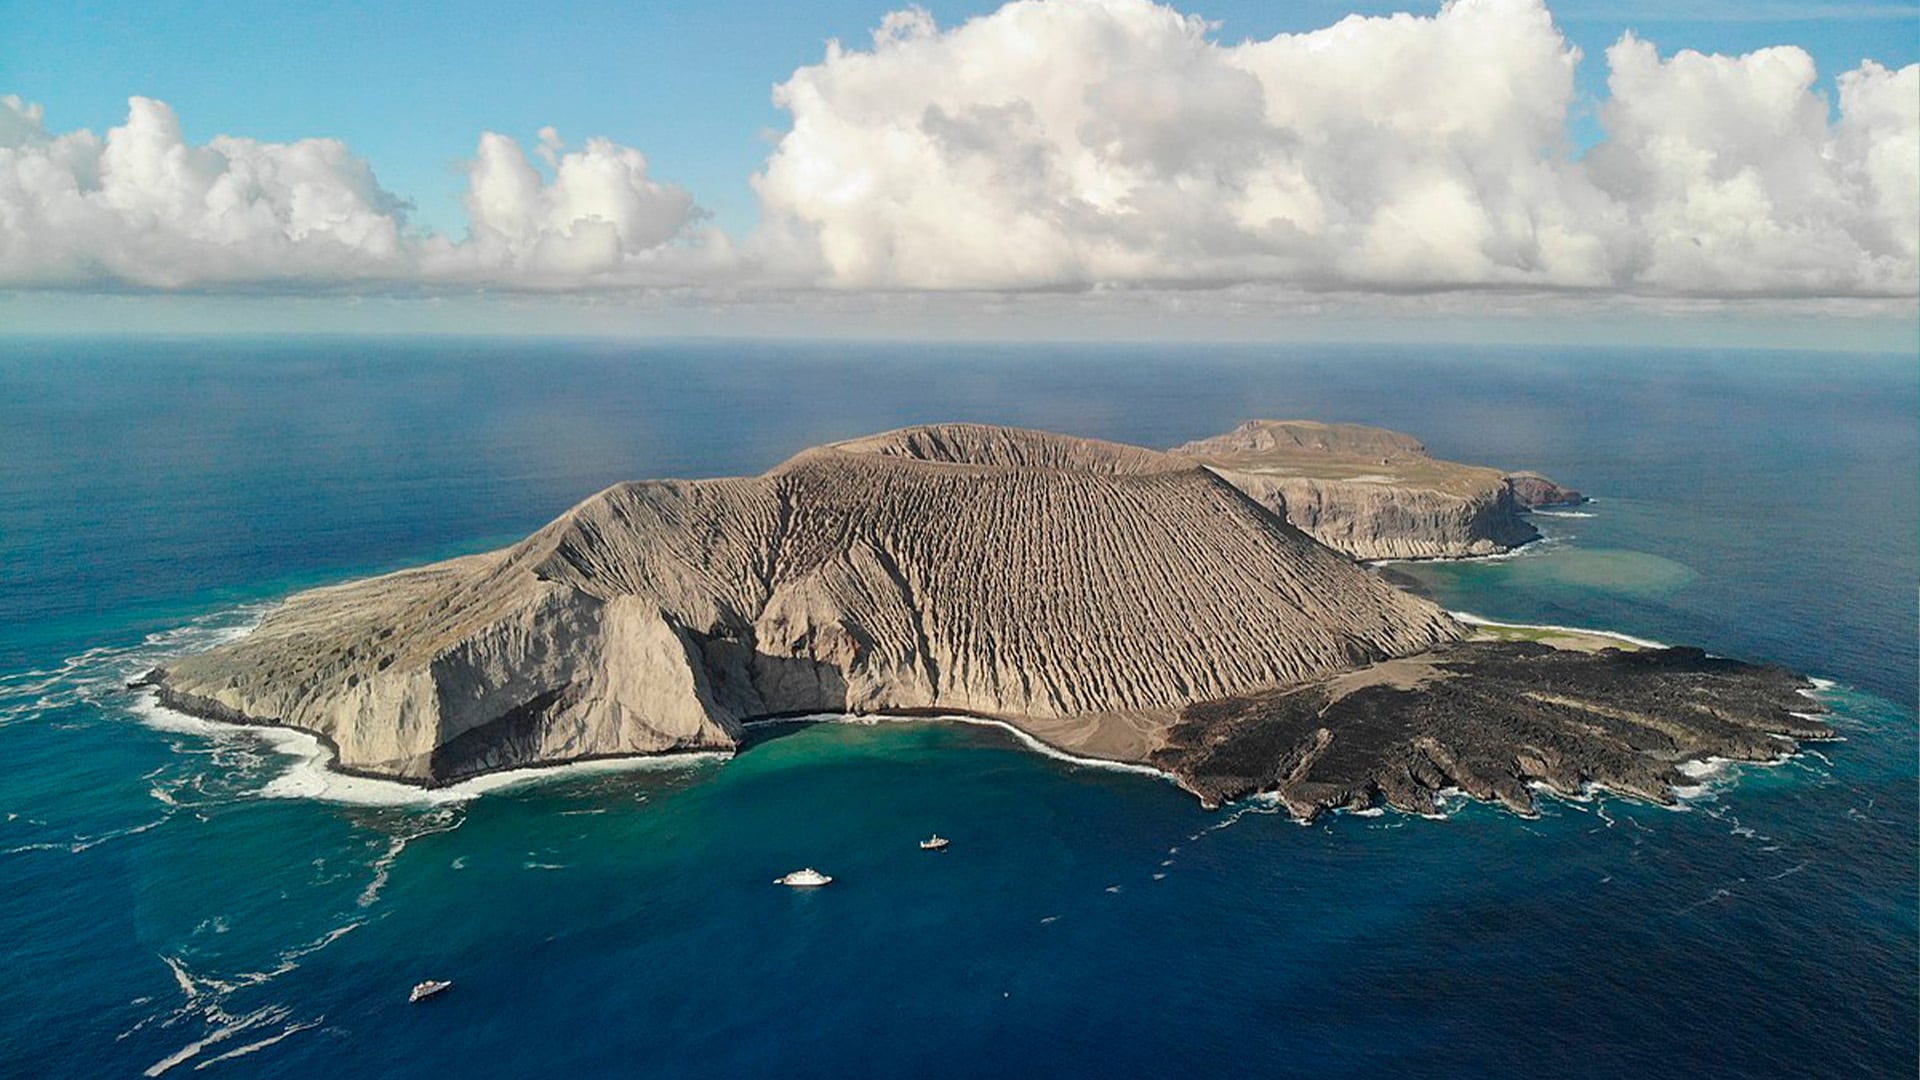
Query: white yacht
{"points": [[425, 990], [804, 879], [934, 843]]}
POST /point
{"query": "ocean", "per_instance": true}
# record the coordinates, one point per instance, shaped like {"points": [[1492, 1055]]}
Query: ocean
{"points": [[175, 900]]}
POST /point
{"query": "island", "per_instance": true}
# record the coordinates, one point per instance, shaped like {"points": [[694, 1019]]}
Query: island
{"points": [[1112, 601], [1378, 494]]}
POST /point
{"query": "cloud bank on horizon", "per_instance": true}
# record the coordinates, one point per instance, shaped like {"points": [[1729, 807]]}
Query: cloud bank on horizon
{"points": [[1073, 144]]}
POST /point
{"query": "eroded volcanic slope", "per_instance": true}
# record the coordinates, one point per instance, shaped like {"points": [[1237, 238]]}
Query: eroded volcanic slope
{"points": [[1085, 590], [1110, 600]]}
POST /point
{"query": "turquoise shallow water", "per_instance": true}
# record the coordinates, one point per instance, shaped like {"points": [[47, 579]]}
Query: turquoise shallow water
{"points": [[163, 915]]}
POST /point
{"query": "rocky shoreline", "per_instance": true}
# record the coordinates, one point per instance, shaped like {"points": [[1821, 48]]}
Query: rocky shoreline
{"points": [[198, 707], [1107, 602], [1535, 492], [1376, 494], [1491, 719]]}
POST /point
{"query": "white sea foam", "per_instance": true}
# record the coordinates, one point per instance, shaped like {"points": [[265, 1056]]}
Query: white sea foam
{"points": [[1447, 802], [84, 843], [288, 958], [253, 1047], [189, 986], [311, 775], [1471, 619], [1561, 513], [152, 714], [101, 671], [1262, 803], [1529, 550], [268, 1014], [203, 999], [440, 820], [182, 1054], [1715, 774], [195, 989], [1699, 770], [1717, 894]]}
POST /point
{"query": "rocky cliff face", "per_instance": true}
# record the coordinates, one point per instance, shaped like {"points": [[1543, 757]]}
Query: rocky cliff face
{"points": [[1531, 490], [1370, 520], [1492, 719], [1087, 591], [1373, 493]]}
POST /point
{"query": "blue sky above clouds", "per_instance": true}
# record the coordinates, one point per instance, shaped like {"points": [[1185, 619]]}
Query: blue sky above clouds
{"points": [[1222, 170]]}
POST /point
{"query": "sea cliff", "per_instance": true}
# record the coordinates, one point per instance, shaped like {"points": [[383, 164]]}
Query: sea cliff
{"points": [[1109, 600], [1374, 493], [982, 570]]}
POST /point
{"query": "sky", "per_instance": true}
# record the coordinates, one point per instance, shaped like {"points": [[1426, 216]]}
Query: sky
{"points": [[1507, 169]]}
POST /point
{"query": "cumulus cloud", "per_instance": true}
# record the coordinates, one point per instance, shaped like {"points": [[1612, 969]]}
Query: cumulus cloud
{"points": [[1064, 145], [1076, 142], [1734, 180], [600, 216], [145, 208]]}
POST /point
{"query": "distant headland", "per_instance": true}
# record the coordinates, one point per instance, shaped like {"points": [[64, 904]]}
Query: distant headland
{"points": [[1200, 611], [1378, 494]]}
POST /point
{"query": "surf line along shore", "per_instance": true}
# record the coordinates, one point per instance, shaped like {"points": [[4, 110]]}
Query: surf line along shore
{"points": [[316, 775], [1109, 601]]}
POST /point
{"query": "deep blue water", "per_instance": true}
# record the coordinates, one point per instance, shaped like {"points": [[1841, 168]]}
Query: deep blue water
{"points": [[156, 907]]}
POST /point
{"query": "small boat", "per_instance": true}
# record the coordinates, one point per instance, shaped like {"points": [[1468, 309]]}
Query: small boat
{"points": [[934, 843], [425, 990], [804, 879]]}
